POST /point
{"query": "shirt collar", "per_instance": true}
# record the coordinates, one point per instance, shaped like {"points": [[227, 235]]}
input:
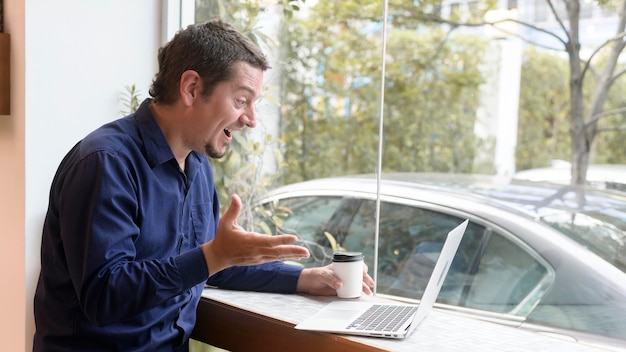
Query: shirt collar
{"points": [[157, 149]]}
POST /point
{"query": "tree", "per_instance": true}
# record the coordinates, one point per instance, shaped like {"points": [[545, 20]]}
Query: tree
{"points": [[331, 87], [331, 92], [543, 127], [585, 114], [585, 125]]}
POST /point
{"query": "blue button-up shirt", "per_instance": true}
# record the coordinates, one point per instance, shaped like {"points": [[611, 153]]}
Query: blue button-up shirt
{"points": [[121, 266]]}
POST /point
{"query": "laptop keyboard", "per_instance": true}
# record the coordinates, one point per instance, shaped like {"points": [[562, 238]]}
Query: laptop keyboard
{"points": [[382, 317]]}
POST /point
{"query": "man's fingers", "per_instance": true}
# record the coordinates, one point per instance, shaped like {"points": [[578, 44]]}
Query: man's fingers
{"points": [[269, 254], [272, 241], [232, 213], [278, 247], [367, 280], [277, 240], [287, 252]]}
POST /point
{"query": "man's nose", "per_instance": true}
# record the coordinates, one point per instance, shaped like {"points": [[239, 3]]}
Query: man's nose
{"points": [[249, 117]]}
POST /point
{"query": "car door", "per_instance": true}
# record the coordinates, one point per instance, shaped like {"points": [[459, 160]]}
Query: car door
{"points": [[492, 271]]}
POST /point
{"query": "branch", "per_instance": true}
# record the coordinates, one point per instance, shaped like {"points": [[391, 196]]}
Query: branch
{"points": [[603, 114], [441, 44], [617, 75], [440, 20], [591, 69], [618, 36], [612, 129], [553, 10], [528, 25]]}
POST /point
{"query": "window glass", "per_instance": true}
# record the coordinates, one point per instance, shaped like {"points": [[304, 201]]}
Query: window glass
{"points": [[602, 231], [490, 271], [411, 239], [321, 116], [309, 218], [504, 278]]}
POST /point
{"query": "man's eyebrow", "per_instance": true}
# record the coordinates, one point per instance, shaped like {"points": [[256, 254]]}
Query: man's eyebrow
{"points": [[247, 88], [251, 91]]}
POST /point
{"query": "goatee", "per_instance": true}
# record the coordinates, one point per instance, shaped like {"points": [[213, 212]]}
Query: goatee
{"points": [[212, 153]]}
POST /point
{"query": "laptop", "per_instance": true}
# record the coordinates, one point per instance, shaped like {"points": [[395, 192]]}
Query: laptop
{"points": [[389, 320]]}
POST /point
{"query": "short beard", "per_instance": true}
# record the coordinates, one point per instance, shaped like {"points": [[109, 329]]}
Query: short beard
{"points": [[212, 153]]}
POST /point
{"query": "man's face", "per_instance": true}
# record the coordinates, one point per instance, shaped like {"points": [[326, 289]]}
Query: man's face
{"points": [[227, 110]]}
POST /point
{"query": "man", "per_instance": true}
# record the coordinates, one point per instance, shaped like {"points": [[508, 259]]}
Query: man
{"points": [[133, 231]]}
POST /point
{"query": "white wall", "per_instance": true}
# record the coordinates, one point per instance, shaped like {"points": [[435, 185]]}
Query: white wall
{"points": [[79, 56]]}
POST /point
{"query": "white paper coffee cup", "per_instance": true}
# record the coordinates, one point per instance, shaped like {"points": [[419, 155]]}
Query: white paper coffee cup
{"points": [[348, 266]]}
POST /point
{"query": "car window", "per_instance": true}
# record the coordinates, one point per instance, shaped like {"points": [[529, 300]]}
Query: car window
{"points": [[405, 231], [602, 231], [506, 277], [490, 272], [308, 218]]}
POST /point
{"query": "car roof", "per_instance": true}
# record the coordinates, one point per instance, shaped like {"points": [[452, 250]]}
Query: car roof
{"points": [[513, 206], [524, 198]]}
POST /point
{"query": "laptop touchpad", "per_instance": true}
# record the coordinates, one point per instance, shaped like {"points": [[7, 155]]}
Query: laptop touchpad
{"points": [[336, 313]]}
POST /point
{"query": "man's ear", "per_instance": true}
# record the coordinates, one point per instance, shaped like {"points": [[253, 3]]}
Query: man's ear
{"points": [[190, 87]]}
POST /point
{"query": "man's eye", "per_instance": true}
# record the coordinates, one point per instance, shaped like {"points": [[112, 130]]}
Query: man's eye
{"points": [[241, 103]]}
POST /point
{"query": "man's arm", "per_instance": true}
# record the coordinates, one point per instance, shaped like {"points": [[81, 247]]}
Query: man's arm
{"points": [[97, 208]]}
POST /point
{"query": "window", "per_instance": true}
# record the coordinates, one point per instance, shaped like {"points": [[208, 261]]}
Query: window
{"points": [[491, 271], [322, 115], [504, 277], [308, 218], [607, 240]]}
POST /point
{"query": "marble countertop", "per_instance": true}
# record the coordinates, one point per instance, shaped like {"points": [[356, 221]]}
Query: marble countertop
{"points": [[440, 331]]}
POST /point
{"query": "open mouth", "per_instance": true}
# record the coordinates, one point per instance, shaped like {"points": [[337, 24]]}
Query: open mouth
{"points": [[227, 132]]}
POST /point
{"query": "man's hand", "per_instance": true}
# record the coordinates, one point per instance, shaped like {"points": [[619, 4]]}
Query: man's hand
{"points": [[323, 281], [233, 245]]}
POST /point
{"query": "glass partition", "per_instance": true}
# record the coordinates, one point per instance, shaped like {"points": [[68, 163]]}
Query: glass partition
{"points": [[319, 116], [383, 91], [334, 105]]}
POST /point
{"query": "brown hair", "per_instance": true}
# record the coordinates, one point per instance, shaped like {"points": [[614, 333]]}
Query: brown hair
{"points": [[209, 48]]}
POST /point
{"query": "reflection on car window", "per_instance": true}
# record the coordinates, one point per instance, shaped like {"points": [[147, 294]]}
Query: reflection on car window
{"points": [[597, 231], [489, 272], [309, 217], [506, 276]]}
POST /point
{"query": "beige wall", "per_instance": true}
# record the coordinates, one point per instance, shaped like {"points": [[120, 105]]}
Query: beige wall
{"points": [[12, 191]]}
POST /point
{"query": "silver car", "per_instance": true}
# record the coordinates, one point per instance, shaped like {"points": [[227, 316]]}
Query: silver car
{"points": [[548, 258]]}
